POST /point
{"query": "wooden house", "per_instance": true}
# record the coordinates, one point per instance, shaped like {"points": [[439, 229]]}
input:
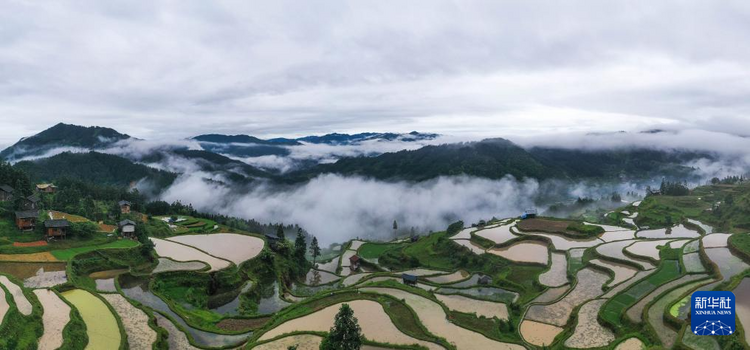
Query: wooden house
{"points": [[46, 188], [127, 228], [31, 202], [6, 193], [529, 214], [124, 207], [56, 228], [414, 238], [354, 261], [273, 240], [409, 279], [26, 220]]}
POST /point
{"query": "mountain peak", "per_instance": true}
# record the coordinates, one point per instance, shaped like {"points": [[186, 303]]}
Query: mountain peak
{"points": [[62, 135]]}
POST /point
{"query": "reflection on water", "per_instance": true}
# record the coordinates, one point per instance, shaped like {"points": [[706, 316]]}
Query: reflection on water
{"points": [[137, 289], [232, 307], [484, 293], [105, 280], [36, 274], [270, 301]]}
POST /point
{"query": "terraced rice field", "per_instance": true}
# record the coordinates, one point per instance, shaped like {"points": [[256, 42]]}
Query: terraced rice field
{"points": [[4, 305], [166, 265], [356, 244], [499, 235], [635, 312], [354, 279], [31, 257], [54, 319], [22, 303], [729, 265], [609, 228], [423, 272], [678, 231], [550, 295], [330, 266], [36, 275], [697, 342], [469, 282], [716, 240], [614, 250], [135, 322], [575, 259], [612, 236], [647, 249], [556, 275], [376, 324], [630, 344], [742, 306], [483, 293], [691, 247], [588, 332], [706, 228], [655, 316], [539, 334], [589, 286], [678, 244], [693, 263], [527, 252], [345, 257], [315, 277], [625, 285], [669, 270], [450, 278], [564, 243], [175, 337], [302, 341], [228, 246], [434, 319], [476, 249], [622, 272], [468, 305], [101, 325], [464, 234], [388, 278], [179, 252]]}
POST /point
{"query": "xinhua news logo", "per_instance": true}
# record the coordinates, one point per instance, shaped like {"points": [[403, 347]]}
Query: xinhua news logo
{"points": [[712, 313]]}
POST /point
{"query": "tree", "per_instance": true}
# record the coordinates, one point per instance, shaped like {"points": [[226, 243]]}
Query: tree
{"points": [[83, 229], [314, 249], [280, 232], [395, 225], [345, 333], [300, 246]]}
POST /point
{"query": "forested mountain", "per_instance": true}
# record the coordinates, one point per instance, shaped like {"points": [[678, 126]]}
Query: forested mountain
{"points": [[217, 138], [496, 158], [94, 167], [62, 135]]}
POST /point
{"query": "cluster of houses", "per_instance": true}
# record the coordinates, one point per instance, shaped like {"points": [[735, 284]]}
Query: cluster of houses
{"points": [[26, 218]]}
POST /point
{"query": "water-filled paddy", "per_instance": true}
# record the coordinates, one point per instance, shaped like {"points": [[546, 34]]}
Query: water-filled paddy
{"points": [[609, 228], [499, 235], [22, 303], [707, 228], [228, 246], [376, 324], [135, 322], [484, 293], [550, 295], [635, 313], [479, 307], [716, 240], [691, 247], [624, 285], [622, 272], [105, 280], [55, 316], [539, 334], [589, 286], [666, 335], [729, 265], [614, 250], [464, 234], [630, 344], [678, 244], [588, 332], [179, 252], [678, 231], [449, 278], [36, 274], [301, 341], [329, 266], [434, 319], [742, 306], [647, 249], [354, 279], [612, 236], [356, 244], [476, 249], [469, 282], [101, 325], [4, 305], [528, 252], [137, 289], [565, 243], [423, 272], [556, 275], [315, 277], [693, 263], [166, 265], [175, 337]]}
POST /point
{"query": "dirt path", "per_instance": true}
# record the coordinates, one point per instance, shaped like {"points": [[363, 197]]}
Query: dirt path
{"points": [[135, 322], [55, 317]]}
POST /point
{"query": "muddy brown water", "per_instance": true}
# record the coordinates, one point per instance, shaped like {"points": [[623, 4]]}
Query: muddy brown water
{"points": [[36, 274]]}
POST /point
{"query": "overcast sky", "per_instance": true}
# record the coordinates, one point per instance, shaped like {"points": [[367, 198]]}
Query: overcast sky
{"points": [[172, 69]]}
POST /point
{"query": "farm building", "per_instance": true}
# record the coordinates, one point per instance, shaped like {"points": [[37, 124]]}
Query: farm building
{"points": [[124, 207], [56, 228], [31, 202], [272, 240], [46, 188], [127, 228], [6, 193], [354, 262], [26, 220], [409, 279], [529, 214], [485, 280]]}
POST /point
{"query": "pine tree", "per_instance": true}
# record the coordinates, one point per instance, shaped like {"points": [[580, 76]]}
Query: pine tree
{"points": [[314, 249], [280, 233], [300, 246], [345, 333], [395, 225]]}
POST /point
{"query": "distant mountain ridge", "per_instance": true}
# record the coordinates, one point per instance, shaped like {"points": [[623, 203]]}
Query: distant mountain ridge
{"points": [[331, 139], [62, 135]]}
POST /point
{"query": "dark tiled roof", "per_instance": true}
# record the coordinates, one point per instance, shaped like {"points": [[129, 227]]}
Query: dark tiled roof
{"points": [[408, 277], [27, 214], [33, 198], [60, 223], [6, 188], [127, 222], [121, 203], [272, 236], [354, 258]]}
